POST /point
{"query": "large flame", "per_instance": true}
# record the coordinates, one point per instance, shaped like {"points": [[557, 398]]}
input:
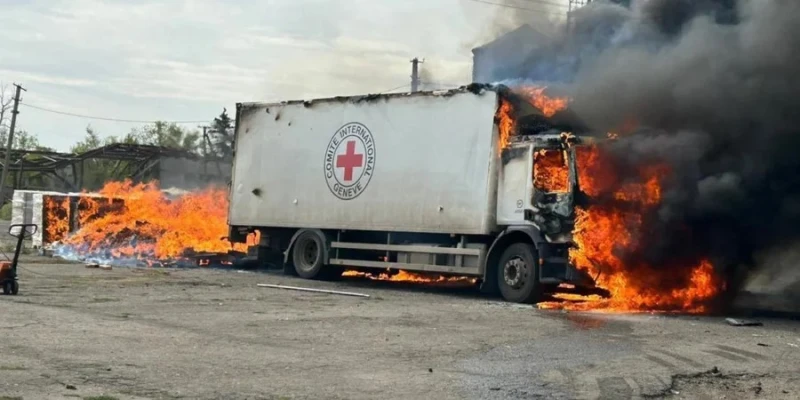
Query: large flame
{"points": [[504, 117], [549, 106], [505, 124], [610, 233], [139, 221], [57, 217], [550, 172]]}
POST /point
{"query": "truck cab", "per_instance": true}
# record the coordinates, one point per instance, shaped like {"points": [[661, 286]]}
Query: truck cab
{"points": [[537, 191]]}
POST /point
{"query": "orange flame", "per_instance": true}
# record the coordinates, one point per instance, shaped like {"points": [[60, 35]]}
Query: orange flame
{"points": [[504, 118], [405, 276], [56, 217], [505, 124], [138, 220], [603, 229], [550, 172], [88, 209], [549, 106]]}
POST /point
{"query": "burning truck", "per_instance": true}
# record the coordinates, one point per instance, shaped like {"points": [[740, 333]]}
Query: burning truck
{"points": [[483, 184], [432, 182]]}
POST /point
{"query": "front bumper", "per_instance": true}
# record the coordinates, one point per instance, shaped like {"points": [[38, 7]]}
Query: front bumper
{"points": [[555, 269]]}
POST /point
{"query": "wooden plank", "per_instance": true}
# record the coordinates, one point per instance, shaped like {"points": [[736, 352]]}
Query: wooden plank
{"points": [[304, 289]]}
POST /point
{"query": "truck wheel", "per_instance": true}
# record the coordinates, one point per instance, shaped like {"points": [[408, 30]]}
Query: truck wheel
{"points": [[308, 255], [518, 274]]}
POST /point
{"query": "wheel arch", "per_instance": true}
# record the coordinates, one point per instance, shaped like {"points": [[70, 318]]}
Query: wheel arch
{"points": [[287, 255], [513, 234]]}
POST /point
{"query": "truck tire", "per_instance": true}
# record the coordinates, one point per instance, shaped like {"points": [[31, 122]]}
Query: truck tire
{"points": [[518, 274], [308, 255]]}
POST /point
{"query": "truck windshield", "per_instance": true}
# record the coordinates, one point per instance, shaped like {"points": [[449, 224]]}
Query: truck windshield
{"points": [[550, 171]]}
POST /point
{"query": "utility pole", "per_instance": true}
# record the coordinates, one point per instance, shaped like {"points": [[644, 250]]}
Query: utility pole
{"points": [[205, 151], [415, 73], [207, 142], [10, 145], [574, 5]]}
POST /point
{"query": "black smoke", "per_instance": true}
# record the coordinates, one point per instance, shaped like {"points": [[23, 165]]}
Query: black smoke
{"points": [[714, 89], [604, 25]]}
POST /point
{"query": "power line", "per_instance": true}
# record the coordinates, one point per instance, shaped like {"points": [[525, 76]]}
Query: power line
{"points": [[393, 89], [442, 84], [549, 3], [108, 118], [533, 10]]}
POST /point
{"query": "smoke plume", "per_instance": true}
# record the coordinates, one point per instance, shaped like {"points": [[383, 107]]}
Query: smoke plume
{"points": [[713, 87]]}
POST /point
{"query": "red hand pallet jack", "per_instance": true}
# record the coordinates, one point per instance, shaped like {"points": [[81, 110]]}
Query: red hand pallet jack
{"points": [[8, 269]]}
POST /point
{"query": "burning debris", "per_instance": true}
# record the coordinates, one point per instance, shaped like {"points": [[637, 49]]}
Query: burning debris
{"points": [[126, 223], [405, 276]]}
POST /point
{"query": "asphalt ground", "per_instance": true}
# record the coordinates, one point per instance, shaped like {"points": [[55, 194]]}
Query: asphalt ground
{"points": [[74, 332]]}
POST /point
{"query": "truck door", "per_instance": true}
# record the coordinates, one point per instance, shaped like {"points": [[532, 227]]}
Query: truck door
{"points": [[515, 185]]}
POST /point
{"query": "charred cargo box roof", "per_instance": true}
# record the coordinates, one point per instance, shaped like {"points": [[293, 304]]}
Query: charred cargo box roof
{"points": [[529, 119]]}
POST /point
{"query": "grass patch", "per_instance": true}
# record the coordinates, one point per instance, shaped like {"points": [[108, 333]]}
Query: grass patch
{"points": [[11, 368], [11, 398], [5, 212]]}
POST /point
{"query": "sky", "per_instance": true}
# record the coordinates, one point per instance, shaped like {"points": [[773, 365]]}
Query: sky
{"points": [[186, 60]]}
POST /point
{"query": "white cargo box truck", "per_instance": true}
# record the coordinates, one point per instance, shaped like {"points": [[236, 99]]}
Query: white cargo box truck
{"points": [[414, 181]]}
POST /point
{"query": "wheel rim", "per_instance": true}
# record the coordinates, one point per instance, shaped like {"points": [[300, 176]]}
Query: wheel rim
{"points": [[515, 272], [309, 253]]}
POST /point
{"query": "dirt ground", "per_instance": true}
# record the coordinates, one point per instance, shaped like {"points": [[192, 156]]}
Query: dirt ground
{"points": [[83, 333]]}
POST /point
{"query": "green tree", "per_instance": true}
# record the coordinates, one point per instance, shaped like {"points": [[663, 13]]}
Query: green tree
{"points": [[23, 140], [169, 135], [90, 142], [221, 135]]}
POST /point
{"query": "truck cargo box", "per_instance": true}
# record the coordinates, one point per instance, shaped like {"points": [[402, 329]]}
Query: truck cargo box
{"points": [[419, 162]]}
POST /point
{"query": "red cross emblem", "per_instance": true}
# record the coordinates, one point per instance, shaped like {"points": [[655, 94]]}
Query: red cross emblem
{"points": [[349, 160]]}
